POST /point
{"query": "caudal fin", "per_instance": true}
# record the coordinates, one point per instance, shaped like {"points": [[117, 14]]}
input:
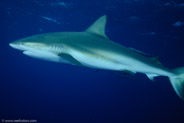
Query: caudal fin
{"points": [[178, 81]]}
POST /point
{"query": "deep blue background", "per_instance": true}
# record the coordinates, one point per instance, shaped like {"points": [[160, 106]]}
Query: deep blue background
{"points": [[59, 93]]}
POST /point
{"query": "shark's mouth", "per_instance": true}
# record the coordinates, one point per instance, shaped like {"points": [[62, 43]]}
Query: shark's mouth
{"points": [[26, 52], [36, 53], [44, 55]]}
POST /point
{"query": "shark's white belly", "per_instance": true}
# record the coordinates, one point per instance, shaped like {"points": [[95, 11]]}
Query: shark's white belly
{"points": [[113, 61], [97, 61]]}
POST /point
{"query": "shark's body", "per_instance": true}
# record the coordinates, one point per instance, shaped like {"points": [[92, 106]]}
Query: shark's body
{"points": [[92, 48]]}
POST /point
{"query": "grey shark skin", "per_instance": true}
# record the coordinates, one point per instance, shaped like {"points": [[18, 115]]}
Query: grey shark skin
{"points": [[92, 48]]}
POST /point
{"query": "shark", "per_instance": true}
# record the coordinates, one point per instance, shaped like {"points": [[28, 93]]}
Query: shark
{"points": [[93, 49]]}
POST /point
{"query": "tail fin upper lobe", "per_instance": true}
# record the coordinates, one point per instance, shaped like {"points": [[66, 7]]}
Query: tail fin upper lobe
{"points": [[178, 81]]}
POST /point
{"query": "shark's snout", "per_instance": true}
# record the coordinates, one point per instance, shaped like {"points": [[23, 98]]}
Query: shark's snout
{"points": [[13, 45], [17, 45]]}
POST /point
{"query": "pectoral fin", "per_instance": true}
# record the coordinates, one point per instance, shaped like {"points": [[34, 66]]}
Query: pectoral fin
{"points": [[69, 59]]}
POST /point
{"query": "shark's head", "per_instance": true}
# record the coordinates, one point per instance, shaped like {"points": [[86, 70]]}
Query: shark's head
{"points": [[30, 43], [38, 47]]}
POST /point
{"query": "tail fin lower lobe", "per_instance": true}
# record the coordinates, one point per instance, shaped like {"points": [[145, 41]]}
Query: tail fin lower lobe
{"points": [[178, 81]]}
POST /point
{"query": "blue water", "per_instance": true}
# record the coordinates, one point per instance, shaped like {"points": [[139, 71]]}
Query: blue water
{"points": [[59, 93]]}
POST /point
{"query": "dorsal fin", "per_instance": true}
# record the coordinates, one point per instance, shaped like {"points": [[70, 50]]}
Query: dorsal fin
{"points": [[98, 27]]}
